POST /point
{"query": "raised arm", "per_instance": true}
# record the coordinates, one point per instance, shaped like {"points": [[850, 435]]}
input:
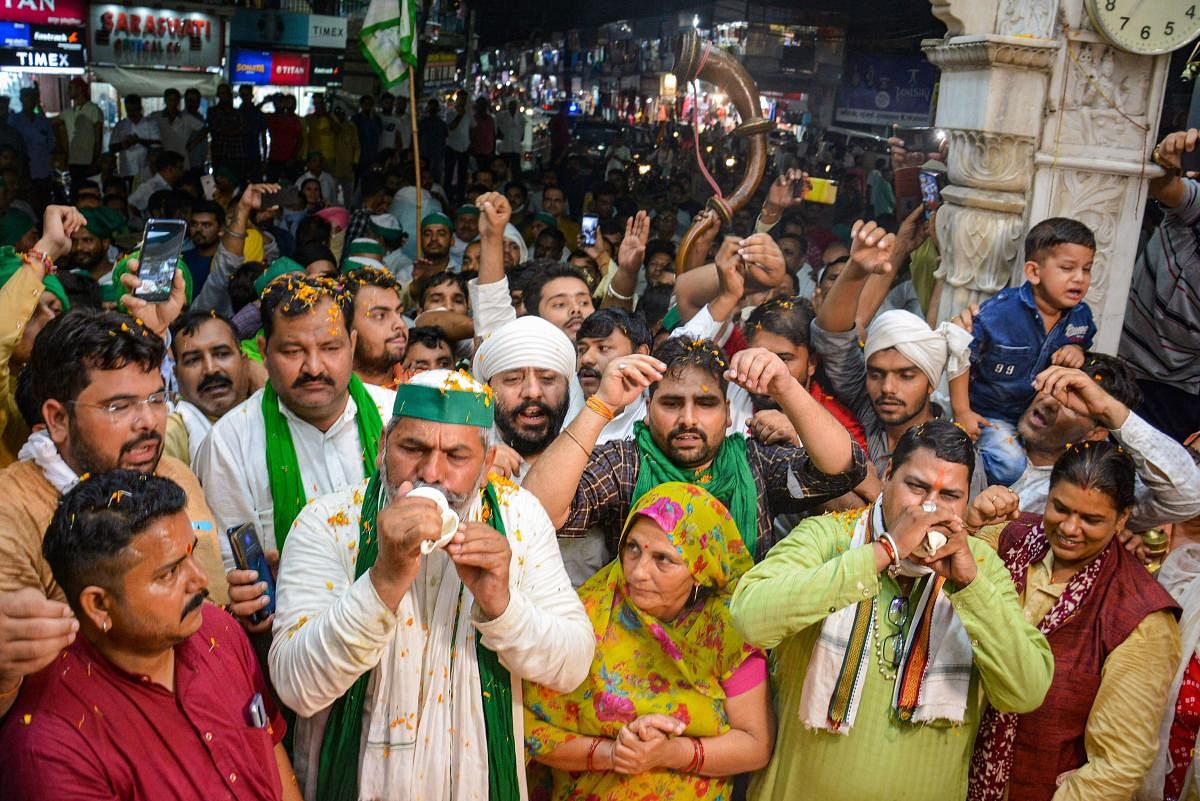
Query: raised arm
{"points": [[1170, 190], [629, 263], [556, 474]]}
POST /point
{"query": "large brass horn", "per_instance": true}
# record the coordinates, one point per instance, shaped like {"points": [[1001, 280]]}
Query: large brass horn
{"points": [[697, 59]]}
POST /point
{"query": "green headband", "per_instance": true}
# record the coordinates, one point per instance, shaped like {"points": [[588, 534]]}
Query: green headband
{"points": [[366, 247], [436, 218], [452, 406]]}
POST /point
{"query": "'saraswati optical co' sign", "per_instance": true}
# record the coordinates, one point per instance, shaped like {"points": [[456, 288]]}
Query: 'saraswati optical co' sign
{"points": [[153, 37]]}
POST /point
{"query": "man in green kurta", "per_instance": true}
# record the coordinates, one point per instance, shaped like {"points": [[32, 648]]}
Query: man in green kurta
{"points": [[886, 623]]}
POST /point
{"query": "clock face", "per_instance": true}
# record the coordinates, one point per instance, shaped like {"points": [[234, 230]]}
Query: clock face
{"points": [[1146, 26]]}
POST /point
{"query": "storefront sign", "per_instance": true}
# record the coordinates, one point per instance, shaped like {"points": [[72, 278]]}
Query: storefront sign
{"points": [[44, 12], [281, 68], [325, 31], [325, 69], [50, 62], [286, 29], [145, 37], [46, 37], [886, 90]]}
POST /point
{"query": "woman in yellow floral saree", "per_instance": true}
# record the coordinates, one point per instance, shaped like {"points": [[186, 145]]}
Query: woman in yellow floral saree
{"points": [[676, 703]]}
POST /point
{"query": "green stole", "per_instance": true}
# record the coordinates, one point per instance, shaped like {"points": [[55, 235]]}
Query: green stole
{"points": [[337, 775], [728, 479], [283, 469]]}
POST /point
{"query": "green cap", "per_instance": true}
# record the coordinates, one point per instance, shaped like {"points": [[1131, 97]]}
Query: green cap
{"points": [[436, 218], [548, 219], [10, 262], [362, 246], [103, 222], [467, 210], [14, 224], [281, 266], [459, 400]]}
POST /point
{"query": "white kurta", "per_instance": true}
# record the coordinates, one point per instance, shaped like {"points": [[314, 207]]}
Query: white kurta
{"points": [[232, 462], [197, 424], [423, 727]]}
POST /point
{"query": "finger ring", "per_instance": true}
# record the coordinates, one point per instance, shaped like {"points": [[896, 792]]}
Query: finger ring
{"points": [[620, 365], [929, 506]]}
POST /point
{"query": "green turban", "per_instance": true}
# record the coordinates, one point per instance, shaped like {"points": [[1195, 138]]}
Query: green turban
{"points": [[103, 222], [10, 262], [281, 266], [14, 224], [436, 218]]}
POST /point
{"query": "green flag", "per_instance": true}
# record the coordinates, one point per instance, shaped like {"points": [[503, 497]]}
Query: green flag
{"points": [[389, 39]]}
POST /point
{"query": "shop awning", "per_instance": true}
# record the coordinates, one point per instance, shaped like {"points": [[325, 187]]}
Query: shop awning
{"points": [[151, 83]]}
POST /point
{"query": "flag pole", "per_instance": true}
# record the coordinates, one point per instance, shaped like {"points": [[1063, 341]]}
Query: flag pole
{"points": [[416, 147]]}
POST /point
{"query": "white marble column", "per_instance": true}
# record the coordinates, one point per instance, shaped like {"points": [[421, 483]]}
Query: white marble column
{"points": [[1045, 119]]}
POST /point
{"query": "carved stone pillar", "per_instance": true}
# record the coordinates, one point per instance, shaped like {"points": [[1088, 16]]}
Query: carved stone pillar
{"points": [[1044, 119]]}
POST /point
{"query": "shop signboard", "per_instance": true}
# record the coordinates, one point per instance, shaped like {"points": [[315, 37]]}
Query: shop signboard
{"points": [[41, 60], [287, 29], [283, 68], [886, 90], [136, 36], [44, 12]]}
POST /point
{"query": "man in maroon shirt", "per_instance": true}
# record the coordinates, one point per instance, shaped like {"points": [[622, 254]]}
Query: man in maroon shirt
{"points": [[286, 131], [161, 696]]}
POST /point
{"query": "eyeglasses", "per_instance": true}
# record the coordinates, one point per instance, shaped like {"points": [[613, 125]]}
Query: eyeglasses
{"points": [[125, 409], [897, 615]]}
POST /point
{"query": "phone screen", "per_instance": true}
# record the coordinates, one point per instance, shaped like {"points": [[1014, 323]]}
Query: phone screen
{"points": [[587, 230], [248, 554], [918, 140], [162, 242], [284, 198], [821, 190], [931, 193]]}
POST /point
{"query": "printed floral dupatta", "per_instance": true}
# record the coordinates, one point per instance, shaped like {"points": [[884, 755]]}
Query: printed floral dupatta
{"points": [[645, 666]]}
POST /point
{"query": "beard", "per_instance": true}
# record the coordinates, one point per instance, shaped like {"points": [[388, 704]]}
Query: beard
{"points": [[527, 441], [459, 502], [379, 361], [89, 460]]}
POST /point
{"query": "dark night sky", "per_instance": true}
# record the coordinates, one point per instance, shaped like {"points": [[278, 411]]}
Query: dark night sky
{"points": [[501, 21]]}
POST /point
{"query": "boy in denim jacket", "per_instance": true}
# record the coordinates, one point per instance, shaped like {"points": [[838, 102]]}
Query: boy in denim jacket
{"points": [[1018, 333]]}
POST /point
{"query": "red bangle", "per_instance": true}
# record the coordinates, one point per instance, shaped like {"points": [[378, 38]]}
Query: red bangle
{"points": [[47, 262], [887, 547], [700, 745], [591, 753]]}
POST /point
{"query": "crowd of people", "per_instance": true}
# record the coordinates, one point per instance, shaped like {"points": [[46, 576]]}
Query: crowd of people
{"points": [[459, 503]]}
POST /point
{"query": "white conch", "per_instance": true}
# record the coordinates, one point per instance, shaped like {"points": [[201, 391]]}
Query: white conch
{"points": [[933, 540], [449, 518]]}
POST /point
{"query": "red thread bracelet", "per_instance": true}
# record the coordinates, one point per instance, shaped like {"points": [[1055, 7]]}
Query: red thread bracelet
{"points": [[591, 752]]}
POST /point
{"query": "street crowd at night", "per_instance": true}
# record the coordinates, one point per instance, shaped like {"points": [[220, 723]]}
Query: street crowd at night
{"points": [[392, 412]]}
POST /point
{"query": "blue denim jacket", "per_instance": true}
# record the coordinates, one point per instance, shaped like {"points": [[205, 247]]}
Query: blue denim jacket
{"points": [[1011, 347]]}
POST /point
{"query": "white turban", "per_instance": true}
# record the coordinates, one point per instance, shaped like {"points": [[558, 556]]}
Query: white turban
{"points": [[524, 342], [513, 235], [933, 351]]}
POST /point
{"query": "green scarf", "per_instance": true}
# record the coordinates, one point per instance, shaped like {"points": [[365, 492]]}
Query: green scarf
{"points": [[337, 775], [283, 469], [728, 479]]}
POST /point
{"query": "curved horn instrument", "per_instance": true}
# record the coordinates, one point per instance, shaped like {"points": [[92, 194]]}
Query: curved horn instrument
{"points": [[696, 59]]}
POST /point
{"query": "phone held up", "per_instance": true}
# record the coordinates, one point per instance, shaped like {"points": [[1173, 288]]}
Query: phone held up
{"points": [[932, 183], [588, 228], [162, 242], [248, 554], [816, 190]]}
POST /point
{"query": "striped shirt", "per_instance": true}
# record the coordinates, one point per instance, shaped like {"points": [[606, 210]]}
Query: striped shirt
{"points": [[1161, 336]]}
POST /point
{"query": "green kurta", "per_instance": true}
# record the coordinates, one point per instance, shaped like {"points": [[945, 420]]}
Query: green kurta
{"points": [[781, 604]]}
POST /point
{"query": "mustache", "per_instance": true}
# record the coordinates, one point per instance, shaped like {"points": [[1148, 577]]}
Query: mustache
{"points": [[588, 372], [681, 430], [213, 381], [533, 406], [305, 378], [457, 500], [149, 436], [194, 603]]}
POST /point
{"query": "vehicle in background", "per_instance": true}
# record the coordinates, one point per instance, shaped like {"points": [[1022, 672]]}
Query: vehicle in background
{"points": [[535, 149]]}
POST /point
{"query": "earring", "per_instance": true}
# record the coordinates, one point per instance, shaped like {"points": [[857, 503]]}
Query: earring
{"points": [[105, 626], [695, 595]]}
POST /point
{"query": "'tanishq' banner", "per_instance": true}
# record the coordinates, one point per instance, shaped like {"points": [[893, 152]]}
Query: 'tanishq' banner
{"points": [[886, 90]]}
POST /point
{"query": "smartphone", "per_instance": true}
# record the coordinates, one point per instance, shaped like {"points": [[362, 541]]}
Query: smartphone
{"points": [[919, 140], [821, 190], [284, 198], [209, 185], [162, 242], [248, 554], [907, 183], [588, 229], [932, 182]]}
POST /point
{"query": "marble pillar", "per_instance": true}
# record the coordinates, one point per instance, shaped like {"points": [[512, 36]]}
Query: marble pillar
{"points": [[1044, 119]]}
